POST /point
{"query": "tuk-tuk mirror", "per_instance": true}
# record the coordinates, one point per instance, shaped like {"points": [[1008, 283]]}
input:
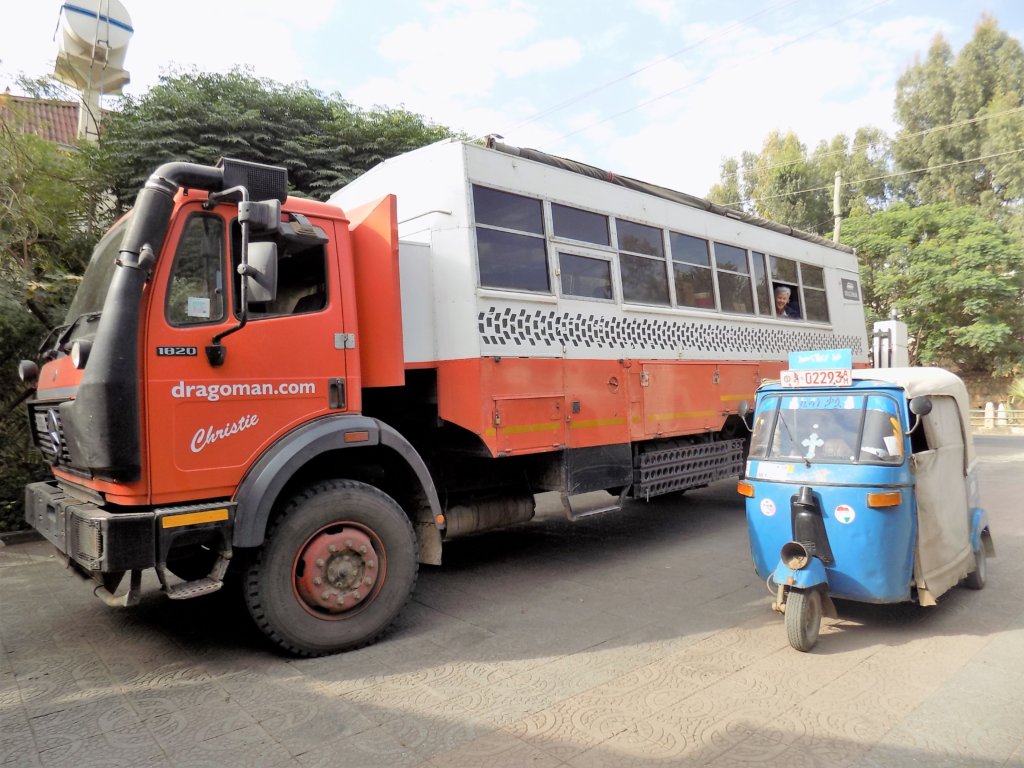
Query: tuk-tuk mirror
{"points": [[921, 405], [743, 409]]}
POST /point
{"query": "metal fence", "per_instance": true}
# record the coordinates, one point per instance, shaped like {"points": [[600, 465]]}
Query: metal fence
{"points": [[996, 419]]}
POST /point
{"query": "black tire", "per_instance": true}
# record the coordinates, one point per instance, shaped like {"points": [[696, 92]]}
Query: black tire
{"points": [[277, 585], [803, 618], [977, 578]]}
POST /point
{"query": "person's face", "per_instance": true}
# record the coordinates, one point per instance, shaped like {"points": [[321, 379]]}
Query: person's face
{"points": [[781, 300]]}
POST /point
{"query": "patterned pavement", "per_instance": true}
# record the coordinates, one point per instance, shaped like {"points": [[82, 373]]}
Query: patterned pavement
{"points": [[638, 639]]}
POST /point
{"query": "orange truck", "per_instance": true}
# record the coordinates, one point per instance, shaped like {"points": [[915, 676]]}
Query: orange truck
{"points": [[319, 395]]}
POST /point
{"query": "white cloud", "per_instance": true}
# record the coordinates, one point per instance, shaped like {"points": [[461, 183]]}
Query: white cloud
{"points": [[663, 10], [544, 56], [468, 53], [727, 94]]}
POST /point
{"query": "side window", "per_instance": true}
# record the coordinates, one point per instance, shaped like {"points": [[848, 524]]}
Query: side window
{"points": [[195, 293], [585, 277], [762, 286], [575, 224], [785, 288], [642, 264], [734, 285], [691, 269], [510, 245], [301, 279], [815, 302]]}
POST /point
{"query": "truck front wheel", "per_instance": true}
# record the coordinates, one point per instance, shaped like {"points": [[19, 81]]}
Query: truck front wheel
{"points": [[337, 566]]}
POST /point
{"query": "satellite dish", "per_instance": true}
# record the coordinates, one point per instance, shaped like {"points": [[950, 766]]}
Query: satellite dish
{"points": [[94, 40]]}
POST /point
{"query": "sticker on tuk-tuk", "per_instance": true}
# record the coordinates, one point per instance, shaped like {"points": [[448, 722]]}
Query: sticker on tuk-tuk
{"points": [[772, 471], [844, 514], [767, 507]]}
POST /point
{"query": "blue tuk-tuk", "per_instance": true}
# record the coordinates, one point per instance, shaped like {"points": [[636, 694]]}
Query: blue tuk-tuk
{"points": [[864, 489]]}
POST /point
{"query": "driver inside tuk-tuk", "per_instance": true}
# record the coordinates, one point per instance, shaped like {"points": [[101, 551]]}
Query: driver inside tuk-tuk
{"points": [[837, 430], [848, 429]]}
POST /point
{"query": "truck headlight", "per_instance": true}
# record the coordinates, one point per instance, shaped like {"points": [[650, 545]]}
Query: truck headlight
{"points": [[80, 353], [28, 372]]}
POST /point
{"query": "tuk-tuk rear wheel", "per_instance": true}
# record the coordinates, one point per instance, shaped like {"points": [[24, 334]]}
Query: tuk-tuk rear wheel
{"points": [[977, 578], [803, 618]]}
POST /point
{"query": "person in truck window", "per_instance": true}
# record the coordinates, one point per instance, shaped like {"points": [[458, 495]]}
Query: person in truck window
{"points": [[783, 306]]}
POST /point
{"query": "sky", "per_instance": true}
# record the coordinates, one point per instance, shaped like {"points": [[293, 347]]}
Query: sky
{"points": [[660, 90]]}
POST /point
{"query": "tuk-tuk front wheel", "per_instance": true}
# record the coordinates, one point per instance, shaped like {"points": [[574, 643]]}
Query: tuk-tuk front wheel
{"points": [[803, 618]]}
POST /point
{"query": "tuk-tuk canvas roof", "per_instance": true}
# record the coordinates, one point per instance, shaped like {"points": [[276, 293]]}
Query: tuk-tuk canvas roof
{"points": [[927, 381]]}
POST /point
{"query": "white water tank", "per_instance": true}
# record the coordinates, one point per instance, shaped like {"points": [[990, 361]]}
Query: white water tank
{"points": [[94, 37], [889, 344]]}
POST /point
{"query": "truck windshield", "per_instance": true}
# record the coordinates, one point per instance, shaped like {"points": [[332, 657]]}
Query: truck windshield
{"points": [[93, 291], [853, 428]]}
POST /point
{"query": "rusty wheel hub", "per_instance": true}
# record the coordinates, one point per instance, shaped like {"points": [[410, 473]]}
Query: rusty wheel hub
{"points": [[337, 571]]}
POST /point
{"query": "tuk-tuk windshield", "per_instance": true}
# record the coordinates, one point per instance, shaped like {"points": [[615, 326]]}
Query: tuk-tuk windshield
{"points": [[849, 428]]}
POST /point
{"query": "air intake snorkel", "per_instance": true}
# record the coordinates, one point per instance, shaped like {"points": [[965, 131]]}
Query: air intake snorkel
{"points": [[101, 425]]}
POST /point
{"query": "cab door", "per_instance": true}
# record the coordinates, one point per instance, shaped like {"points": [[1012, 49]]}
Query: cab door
{"points": [[207, 423]]}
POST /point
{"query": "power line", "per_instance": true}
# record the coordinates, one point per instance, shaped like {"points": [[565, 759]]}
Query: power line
{"points": [[876, 178], [615, 81], [743, 62], [918, 134]]}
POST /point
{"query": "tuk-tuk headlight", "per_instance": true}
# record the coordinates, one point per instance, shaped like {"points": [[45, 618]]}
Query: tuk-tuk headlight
{"points": [[885, 499]]}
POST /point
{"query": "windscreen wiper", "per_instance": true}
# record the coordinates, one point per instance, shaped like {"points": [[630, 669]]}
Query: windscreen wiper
{"points": [[64, 331]]}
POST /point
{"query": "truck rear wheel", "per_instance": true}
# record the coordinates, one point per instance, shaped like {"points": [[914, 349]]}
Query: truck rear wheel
{"points": [[337, 566]]}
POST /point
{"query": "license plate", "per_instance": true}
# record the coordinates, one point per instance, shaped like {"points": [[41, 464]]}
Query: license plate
{"points": [[825, 377]]}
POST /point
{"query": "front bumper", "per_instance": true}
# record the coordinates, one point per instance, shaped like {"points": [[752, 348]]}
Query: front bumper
{"points": [[103, 540]]}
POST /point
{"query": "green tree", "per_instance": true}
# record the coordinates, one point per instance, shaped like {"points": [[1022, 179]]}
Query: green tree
{"points": [[863, 162], [961, 118], [48, 219], [323, 141], [727, 191], [785, 183], [953, 275]]}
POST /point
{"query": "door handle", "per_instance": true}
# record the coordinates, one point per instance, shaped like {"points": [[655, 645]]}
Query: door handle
{"points": [[336, 393]]}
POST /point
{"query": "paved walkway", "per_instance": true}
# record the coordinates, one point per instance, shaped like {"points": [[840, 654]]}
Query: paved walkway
{"points": [[637, 639]]}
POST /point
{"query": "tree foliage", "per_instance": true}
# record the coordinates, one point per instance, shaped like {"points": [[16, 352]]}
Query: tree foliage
{"points": [[954, 276], [323, 141], [961, 118], [786, 183], [48, 218]]}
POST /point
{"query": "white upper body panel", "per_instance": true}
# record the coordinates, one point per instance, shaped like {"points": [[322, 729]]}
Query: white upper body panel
{"points": [[449, 315]]}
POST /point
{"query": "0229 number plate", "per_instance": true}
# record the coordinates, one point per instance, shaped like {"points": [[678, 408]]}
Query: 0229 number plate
{"points": [[824, 377]]}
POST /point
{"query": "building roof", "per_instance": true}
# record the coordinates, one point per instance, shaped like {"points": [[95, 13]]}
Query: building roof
{"points": [[55, 121]]}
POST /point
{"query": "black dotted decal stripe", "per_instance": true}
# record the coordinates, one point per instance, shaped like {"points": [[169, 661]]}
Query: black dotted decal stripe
{"points": [[546, 329]]}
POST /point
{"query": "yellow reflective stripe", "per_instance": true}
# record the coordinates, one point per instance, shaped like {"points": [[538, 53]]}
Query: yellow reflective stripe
{"points": [[194, 518], [597, 423], [681, 415], [547, 426], [735, 398]]}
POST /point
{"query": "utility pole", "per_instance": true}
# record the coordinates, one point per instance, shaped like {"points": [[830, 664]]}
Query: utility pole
{"points": [[836, 207]]}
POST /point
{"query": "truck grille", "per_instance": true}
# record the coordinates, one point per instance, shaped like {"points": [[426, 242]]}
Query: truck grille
{"points": [[48, 432]]}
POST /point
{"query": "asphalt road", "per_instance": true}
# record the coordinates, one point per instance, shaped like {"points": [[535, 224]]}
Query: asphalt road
{"points": [[641, 638]]}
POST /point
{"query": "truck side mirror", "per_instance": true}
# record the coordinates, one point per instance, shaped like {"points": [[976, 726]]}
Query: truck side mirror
{"points": [[260, 272]]}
